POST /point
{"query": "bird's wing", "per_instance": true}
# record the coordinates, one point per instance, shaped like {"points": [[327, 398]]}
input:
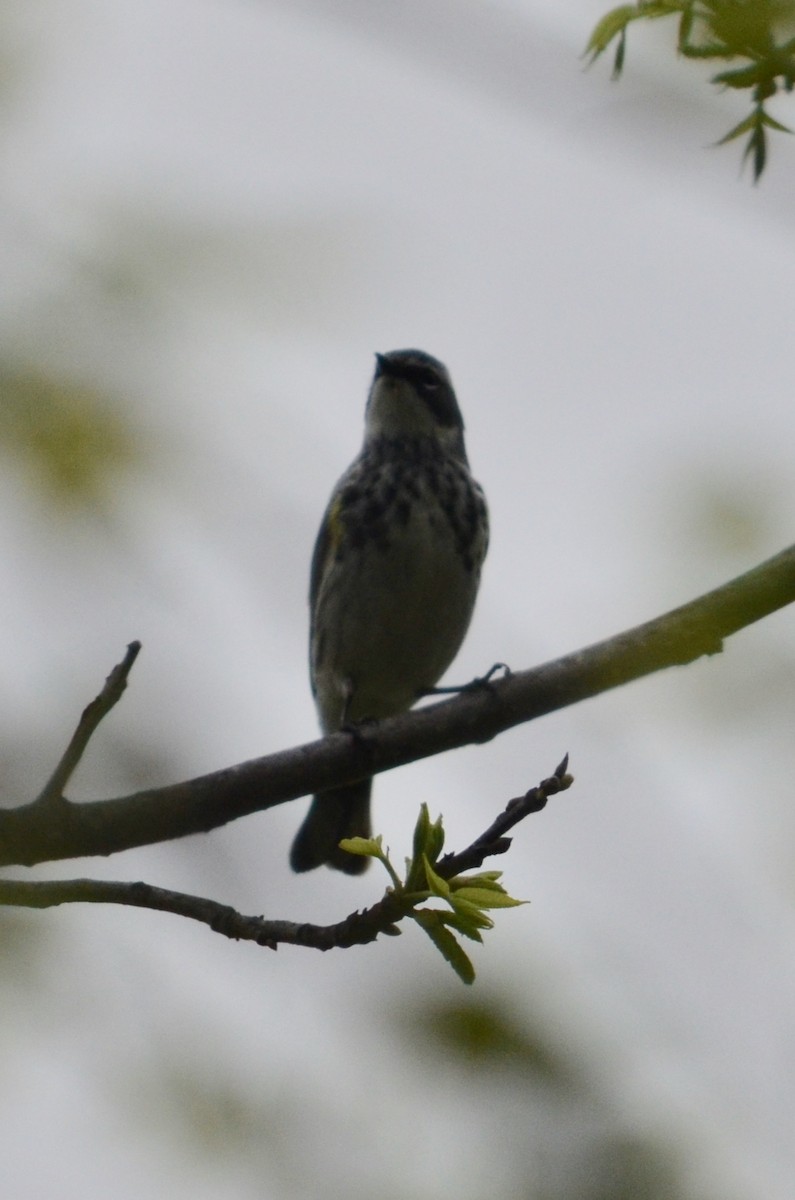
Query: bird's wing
{"points": [[328, 539]]}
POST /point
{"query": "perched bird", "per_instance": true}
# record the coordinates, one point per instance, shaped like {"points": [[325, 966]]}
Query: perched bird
{"points": [[394, 577]]}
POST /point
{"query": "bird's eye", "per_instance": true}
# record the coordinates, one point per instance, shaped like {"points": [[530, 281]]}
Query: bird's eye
{"points": [[428, 383]]}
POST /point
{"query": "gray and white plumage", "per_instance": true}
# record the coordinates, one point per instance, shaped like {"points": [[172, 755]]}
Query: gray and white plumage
{"points": [[394, 576]]}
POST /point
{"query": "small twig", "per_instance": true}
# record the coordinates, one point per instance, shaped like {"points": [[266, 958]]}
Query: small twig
{"points": [[93, 713], [494, 841], [357, 929]]}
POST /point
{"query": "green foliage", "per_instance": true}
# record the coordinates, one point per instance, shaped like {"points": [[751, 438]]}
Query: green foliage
{"points": [[467, 896], [69, 439], [497, 1035], [757, 35]]}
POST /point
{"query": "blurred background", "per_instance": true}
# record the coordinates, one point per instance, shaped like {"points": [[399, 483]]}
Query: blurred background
{"points": [[211, 215]]}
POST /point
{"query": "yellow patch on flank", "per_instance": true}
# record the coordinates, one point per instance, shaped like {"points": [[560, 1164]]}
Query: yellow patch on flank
{"points": [[335, 524]]}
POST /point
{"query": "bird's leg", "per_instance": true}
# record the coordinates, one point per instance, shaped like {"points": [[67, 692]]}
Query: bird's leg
{"points": [[481, 681]]}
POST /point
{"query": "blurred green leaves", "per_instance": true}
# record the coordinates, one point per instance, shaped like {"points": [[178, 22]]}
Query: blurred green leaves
{"points": [[490, 1032], [757, 35], [539, 1096], [70, 441]]}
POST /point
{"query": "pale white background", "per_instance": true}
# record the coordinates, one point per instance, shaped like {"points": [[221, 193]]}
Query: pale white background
{"points": [[215, 212]]}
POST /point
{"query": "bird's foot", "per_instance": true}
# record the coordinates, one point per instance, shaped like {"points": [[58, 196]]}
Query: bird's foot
{"points": [[481, 681]]}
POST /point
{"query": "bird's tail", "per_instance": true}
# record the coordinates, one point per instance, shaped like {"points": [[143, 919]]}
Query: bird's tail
{"points": [[338, 813]]}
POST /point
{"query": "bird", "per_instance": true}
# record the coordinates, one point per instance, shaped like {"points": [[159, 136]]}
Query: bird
{"points": [[394, 577]]}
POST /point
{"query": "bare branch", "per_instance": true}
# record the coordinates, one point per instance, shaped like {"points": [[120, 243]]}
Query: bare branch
{"points": [[494, 841], [36, 833], [357, 929], [99, 707]]}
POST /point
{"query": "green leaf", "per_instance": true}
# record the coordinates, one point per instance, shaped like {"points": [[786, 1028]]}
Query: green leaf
{"points": [[446, 944], [745, 126], [612, 25], [365, 847], [740, 77], [615, 23], [685, 27], [621, 53], [772, 123], [461, 925], [485, 879], [755, 124], [435, 843], [757, 147], [438, 886], [471, 913], [421, 833], [427, 846], [484, 898]]}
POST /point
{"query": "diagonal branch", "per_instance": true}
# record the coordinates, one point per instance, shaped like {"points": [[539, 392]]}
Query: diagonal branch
{"points": [[357, 929], [37, 833]]}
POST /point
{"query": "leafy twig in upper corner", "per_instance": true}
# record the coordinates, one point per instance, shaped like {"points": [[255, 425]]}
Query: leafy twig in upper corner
{"points": [[759, 35]]}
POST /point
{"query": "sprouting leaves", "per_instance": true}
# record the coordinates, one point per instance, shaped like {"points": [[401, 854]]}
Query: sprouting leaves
{"points": [[465, 899], [755, 125], [758, 35], [615, 23]]}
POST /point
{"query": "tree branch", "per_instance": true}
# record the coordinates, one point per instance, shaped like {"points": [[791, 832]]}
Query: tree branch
{"points": [[99, 707], [41, 832], [494, 841], [357, 929]]}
